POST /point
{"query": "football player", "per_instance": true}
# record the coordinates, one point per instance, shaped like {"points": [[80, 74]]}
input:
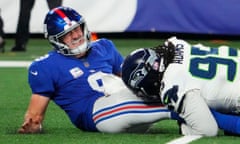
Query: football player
{"points": [[82, 78], [185, 76]]}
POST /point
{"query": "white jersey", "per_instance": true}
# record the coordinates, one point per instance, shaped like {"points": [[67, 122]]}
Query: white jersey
{"points": [[212, 70]]}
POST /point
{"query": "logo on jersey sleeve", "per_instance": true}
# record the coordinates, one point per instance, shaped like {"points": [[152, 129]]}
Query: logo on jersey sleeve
{"points": [[76, 72], [35, 73]]}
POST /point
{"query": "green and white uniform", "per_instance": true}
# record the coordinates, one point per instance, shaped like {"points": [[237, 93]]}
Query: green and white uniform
{"points": [[211, 70]]}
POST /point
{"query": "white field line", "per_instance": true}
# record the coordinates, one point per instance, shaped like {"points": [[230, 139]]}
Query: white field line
{"points": [[15, 63], [185, 139]]}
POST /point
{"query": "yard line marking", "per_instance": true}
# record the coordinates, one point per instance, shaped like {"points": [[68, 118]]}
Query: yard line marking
{"points": [[185, 139], [15, 63]]}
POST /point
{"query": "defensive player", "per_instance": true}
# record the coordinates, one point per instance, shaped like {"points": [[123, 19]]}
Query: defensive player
{"points": [[178, 72], [80, 77]]}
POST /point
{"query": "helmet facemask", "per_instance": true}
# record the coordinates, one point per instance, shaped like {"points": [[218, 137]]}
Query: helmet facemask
{"points": [[145, 80], [150, 84], [60, 21], [63, 48]]}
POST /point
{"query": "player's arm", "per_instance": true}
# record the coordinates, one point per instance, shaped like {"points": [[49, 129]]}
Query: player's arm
{"points": [[35, 114]]}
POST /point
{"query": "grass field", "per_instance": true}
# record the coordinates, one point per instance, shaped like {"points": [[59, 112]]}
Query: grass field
{"points": [[15, 95]]}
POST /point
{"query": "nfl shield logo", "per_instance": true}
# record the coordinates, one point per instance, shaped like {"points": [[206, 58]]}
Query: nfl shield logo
{"points": [[76, 72]]}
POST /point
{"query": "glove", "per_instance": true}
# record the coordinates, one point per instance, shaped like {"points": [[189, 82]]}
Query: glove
{"points": [[30, 127], [172, 100]]}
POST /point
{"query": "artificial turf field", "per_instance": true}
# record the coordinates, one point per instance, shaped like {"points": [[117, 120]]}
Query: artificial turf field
{"points": [[15, 95]]}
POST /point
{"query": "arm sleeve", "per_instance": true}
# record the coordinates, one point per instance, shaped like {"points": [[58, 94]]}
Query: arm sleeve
{"points": [[40, 81]]}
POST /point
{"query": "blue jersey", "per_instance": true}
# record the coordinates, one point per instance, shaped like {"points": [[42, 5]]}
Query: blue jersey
{"points": [[66, 80]]}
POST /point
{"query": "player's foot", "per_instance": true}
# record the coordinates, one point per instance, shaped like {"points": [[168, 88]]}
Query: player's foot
{"points": [[17, 48], [226, 133]]}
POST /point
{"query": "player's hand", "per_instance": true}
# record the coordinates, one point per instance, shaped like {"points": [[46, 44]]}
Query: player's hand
{"points": [[30, 127]]}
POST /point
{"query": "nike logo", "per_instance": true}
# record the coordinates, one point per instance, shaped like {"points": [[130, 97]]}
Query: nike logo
{"points": [[34, 73]]}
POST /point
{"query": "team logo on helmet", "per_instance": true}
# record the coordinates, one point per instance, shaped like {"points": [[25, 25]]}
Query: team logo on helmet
{"points": [[137, 77]]}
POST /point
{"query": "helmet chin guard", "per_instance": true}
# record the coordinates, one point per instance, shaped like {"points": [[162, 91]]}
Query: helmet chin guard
{"points": [[80, 49]]}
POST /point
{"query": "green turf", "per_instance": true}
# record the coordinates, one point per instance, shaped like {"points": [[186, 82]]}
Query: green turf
{"points": [[15, 95], [38, 47]]}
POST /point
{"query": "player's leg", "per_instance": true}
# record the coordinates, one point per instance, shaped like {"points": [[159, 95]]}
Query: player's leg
{"points": [[125, 112], [54, 3], [228, 123], [198, 117], [2, 34], [22, 34]]}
